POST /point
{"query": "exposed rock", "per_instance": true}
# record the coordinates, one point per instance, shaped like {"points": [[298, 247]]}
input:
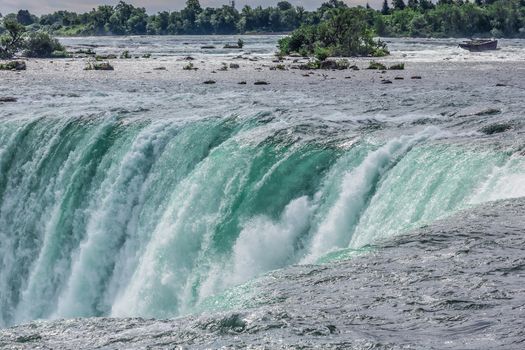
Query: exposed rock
{"points": [[160, 68], [210, 82], [495, 128], [99, 66], [234, 66], [105, 57], [13, 65], [488, 111], [399, 78], [260, 82], [386, 81], [7, 99], [416, 77], [208, 47], [190, 66], [230, 46], [242, 83]]}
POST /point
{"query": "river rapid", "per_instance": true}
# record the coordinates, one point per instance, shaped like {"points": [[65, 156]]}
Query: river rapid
{"points": [[141, 208]]}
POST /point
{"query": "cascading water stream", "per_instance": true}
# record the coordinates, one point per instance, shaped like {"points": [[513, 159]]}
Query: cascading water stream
{"points": [[108, 216]]}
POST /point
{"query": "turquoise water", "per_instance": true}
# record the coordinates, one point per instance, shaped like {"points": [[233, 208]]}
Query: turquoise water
{"points": [[114, 217]]}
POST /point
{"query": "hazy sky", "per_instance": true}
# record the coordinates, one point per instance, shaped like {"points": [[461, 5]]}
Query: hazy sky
{"points": [[47, 6]]}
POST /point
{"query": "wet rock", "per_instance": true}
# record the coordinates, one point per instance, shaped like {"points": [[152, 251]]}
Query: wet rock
{"points": [[488, 111], [105, 57], [190, 66], [495, 128], [13, 65], [7, 99], [28, 338], [99, 66]]}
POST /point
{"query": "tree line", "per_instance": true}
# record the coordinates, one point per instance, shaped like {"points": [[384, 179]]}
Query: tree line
{"points": [[416, 18]]}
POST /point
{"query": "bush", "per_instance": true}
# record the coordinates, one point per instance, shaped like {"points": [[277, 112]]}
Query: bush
{"points": [[399, 66], [99, 66], [322, 53], [346, 33], [42, 45], [125, 55], [376, 65]]}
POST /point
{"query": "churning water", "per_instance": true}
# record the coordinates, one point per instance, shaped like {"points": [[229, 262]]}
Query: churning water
{"points": [[145, 198]]}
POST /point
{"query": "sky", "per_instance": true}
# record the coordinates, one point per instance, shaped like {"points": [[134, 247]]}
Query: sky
{"points": [[40, 7]]}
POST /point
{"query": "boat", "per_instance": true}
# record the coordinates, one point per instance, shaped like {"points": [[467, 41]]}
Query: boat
{"points": [[479, 45]]}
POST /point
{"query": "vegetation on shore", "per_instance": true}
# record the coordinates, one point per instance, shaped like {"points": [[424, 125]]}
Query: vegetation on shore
{"points": [[416, 18], [34, 44], [345, 32]]}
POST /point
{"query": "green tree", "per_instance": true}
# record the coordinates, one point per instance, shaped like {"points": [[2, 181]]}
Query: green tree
{"points": [[385, 9], [399, 5], [13, 41], [25, 18]]}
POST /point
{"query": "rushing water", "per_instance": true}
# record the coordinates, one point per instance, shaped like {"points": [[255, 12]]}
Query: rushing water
{"points": [[137, 200]]}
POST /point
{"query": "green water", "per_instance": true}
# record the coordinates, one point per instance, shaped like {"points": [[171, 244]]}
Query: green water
{"points": [[107, 216]]}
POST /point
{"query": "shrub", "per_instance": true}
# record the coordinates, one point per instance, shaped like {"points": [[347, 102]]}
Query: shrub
{"points": [[321, 53], [125, 55], [376, 65], [42, 45], [346, 33], [399, 66], [99, 66]]}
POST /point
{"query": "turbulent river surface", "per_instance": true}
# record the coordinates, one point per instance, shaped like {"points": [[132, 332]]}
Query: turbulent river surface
{"points": [[140, 208]]}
